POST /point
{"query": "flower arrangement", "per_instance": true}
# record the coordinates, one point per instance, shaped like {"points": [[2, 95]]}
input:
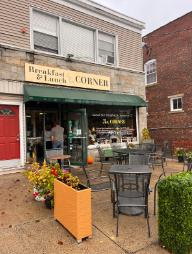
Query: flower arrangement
{"points": [[177, 151], [189, 154], [42, 180]]}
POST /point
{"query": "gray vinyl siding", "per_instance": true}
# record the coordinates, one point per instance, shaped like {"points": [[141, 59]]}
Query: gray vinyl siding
{"points": [[15, 15]]}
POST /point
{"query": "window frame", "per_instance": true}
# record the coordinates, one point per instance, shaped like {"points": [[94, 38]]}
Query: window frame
{"points": [[145, 68], [61, 19], [171, 103]]}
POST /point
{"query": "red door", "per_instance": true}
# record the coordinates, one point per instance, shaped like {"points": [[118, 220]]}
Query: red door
{"points": [[9, 133]]}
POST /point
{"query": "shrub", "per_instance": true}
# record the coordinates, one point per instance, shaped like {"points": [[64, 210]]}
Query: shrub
{"points": [[175, 212]]}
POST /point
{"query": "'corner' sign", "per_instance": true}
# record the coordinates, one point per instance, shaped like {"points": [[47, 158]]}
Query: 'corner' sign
{"points": [[56, 76]]}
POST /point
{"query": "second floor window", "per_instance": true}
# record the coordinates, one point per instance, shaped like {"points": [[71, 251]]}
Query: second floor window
{"points": [[57, 35], [45, 33], [151, 72], [176, 103]]}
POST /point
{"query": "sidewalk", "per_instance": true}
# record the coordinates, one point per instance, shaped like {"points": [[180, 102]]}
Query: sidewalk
{"points": [[27, 226]]}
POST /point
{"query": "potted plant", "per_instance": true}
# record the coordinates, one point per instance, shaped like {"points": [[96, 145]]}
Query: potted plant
{"points": [[145, 135], [72, 206], [42, 180], [178, 153], [189, 157]]}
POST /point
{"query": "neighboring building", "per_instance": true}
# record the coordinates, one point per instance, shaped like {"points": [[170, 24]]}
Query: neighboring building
{"points": [[75, 60], [168, 66]]}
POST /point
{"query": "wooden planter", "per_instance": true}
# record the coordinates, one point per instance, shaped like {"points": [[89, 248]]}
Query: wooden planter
{"points": [[72, 209]]}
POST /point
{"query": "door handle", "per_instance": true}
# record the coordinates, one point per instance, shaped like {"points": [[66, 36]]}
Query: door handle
{"points": [[17, 139], [17, 135]]}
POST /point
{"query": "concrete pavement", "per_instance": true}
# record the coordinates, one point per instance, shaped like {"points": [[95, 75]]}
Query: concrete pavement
{"points": [[27, 226]]}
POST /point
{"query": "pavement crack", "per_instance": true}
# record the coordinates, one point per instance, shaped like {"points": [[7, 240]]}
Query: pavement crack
{"points": [[28, 222], [111, 240]]}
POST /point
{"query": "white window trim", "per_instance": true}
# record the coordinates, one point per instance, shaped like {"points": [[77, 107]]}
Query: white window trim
{"points": [[145, 69], [63, 18], [171, 103]]}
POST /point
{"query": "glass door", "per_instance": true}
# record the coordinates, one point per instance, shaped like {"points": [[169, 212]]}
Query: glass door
{"points": [[77, 141]]}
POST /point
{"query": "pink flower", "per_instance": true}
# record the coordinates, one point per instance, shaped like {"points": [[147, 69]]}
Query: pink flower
{"points": [[65, 171], [48, 195]]}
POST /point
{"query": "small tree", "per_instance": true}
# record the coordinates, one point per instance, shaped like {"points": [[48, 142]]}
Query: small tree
{"points": [[145, 133]]}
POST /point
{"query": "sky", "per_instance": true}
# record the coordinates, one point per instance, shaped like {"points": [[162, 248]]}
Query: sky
{"points": [[154, 13]]}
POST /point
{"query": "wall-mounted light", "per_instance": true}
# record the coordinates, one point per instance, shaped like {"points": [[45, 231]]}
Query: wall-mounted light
{"points": [[69, 56], [23, 30]]}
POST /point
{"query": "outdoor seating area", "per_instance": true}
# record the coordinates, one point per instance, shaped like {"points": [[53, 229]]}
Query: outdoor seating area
{"points": [[123, 199], [103, 224]]}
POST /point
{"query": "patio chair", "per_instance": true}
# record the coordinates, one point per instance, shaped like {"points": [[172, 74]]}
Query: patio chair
{"points": [[138, 159], [97, 182], [156, 185], [170, 146], [118, 157], [185, 161], [132, 201], [54, 152], [148, 147], [105, 162], [157, 159]]}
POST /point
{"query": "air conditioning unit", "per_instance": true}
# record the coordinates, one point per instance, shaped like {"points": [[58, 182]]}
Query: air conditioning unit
{"points": [[108, 59]]}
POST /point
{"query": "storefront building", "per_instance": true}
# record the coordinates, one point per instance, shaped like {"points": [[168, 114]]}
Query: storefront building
{"points": [[76, 61]]}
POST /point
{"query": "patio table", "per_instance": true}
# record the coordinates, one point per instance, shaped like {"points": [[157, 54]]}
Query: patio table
{"points": [[61, 157], [130, 170]]}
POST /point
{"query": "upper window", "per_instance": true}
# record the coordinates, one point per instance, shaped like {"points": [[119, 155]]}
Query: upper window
{"points": [[176, 103], [151, 72], [45, 33], [60, 36], [106, 45]]}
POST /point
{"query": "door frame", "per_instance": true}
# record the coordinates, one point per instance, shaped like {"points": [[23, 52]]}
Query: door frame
{"points": [[21, 108], [85, 123]]}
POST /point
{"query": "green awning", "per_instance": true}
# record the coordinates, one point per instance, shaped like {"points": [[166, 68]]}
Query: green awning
{"points": [[42, 93]]}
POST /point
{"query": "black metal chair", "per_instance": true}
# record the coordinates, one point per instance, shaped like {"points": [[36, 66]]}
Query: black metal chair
{"points": [[185, 159], [97, 182], [156, 185], [54, 152], [148, 147], [132, 201], [118, 157], [103, 159], [157, 159], [139, 159]]}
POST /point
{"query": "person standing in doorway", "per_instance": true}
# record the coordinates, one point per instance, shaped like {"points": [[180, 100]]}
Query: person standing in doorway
{"points": [[57, 135]]}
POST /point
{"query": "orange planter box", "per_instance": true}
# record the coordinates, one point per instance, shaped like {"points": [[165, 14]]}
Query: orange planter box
{"points": [[72, 209]]}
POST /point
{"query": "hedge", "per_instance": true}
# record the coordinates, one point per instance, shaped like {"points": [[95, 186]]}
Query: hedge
{"points": [[175, 213]]}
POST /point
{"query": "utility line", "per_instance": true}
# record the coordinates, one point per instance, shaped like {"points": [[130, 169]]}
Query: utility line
{"points": [[167, 33]]}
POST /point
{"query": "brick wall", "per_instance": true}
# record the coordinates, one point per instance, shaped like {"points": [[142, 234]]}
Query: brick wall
{"points": [[173, 54]]}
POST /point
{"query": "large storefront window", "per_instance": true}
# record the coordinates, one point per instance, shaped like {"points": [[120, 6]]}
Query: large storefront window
{"points": [[111, 124]]}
